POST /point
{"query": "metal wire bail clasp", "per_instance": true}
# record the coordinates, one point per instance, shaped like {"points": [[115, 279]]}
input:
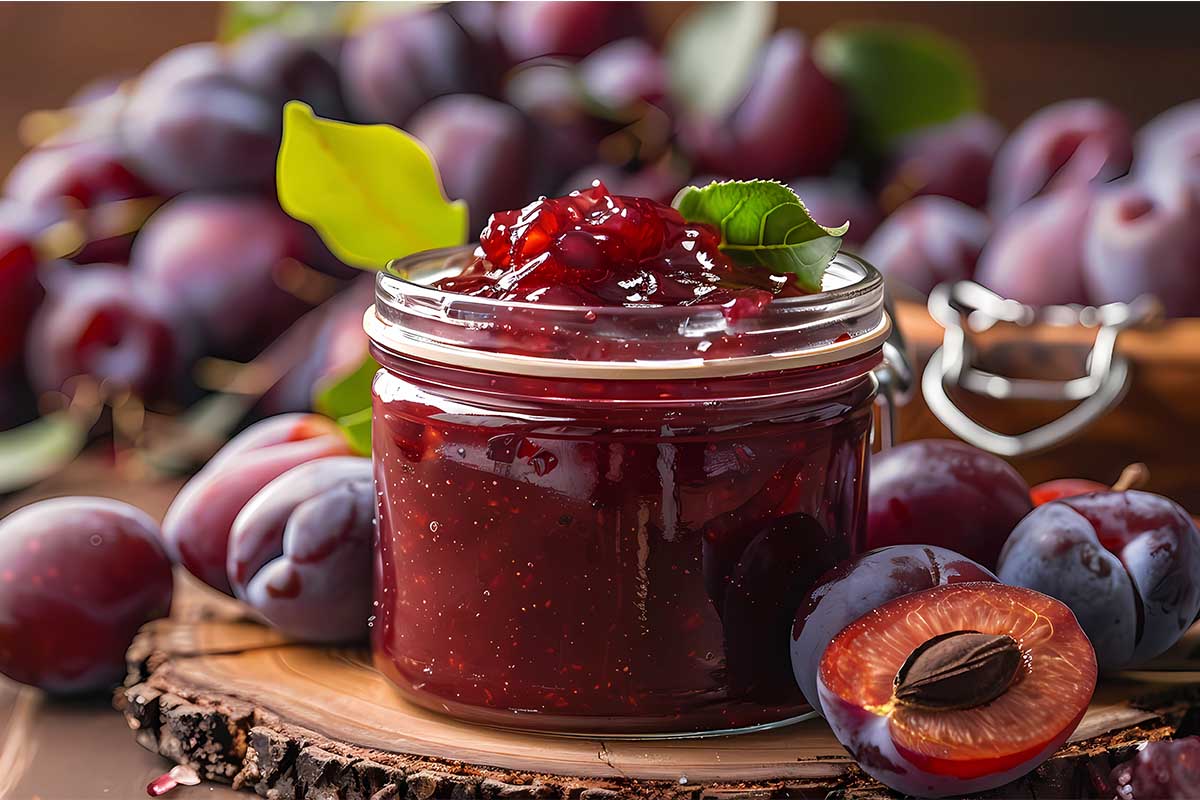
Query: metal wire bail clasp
{"points": [[965, 308]]}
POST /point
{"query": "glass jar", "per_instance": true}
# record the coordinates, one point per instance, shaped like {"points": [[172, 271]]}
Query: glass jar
{"points": [[601, 520]]}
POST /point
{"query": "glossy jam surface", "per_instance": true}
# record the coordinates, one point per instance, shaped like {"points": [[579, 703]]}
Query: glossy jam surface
{"points": [[593, 248], [612, 557]]}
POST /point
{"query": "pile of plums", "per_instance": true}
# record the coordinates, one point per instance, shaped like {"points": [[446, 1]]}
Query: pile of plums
{"points": [[134, 239], [962, 650], [1073, 207], [146, 235], [282, 517]]}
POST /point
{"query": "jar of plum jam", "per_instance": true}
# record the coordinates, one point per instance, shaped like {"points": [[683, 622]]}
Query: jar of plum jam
{"points": [[599, 518]]}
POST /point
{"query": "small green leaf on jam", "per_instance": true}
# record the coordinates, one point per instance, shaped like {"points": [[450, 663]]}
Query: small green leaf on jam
{"points": [[764, 223], [347, 400], [371, 191]]}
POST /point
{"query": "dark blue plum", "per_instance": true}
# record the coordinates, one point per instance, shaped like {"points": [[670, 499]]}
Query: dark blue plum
{"points": [[1127, 563], [862, 584], [300, 550]]}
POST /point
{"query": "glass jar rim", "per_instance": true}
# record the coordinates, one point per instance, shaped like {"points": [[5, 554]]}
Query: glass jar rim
{"points": [[411, 318]]}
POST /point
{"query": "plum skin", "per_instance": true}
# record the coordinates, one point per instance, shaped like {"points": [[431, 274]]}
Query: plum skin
{"points": [[946, 493], [78, 577], [1127, 563], [927, 241], [1036, 254], [868, 731], [862, 584], [197, 525], [300, 550]]}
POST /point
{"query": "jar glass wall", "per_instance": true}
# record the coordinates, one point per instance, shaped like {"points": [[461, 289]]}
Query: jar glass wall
{"points": [[580, 541]]}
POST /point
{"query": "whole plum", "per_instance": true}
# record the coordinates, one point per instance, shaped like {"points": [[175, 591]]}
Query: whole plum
{"points": [[950, 160], [1127, 563], [300, 550], [197, 525], [1139, 243], [78, 577], [1071, 143], [945, 493], [927, 241], [1036, 255], [792, 121]]}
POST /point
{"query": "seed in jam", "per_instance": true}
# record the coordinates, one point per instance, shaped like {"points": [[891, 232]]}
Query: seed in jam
{"points": [[594, 248]]}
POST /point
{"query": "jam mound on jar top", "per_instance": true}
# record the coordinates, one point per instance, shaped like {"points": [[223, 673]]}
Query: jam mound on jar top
{"points": [[594, 248]]}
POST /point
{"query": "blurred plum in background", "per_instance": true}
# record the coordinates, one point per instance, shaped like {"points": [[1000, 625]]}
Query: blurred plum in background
{"points": [[1036, 254], [951, 160], [229, 263], [929, 240], [191, 123], [792, 120], [482, 148], [1168, 150], [102, 322], [531, 29], [398, 64], [1138, 242], [283, 67], [1068, 144]]}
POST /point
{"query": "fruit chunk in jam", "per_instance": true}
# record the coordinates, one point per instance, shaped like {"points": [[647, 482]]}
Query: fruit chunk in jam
{"points": [[593, 248]]}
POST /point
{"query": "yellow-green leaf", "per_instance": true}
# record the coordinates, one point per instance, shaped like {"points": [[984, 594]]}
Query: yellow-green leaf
{"points": [[371, 191]]}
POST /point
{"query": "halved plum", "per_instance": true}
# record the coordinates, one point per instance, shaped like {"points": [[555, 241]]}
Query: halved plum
{"points": [[860, 584], [957, 689]]}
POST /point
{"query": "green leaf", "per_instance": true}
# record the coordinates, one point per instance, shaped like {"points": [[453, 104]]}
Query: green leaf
{"points": [[764, 223], [347, 400], [38, 449], [899, 78], [348, 394], [711, 53], [357, 429], [300, 19], [371, 191]]}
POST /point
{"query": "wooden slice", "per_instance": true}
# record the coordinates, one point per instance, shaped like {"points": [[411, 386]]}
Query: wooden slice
{"points": [[213, 690]]}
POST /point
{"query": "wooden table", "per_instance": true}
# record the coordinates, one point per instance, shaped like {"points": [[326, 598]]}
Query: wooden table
{"points": [[77, 750]]}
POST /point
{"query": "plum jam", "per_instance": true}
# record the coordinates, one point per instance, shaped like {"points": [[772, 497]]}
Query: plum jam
{"points": [[597, 515]]}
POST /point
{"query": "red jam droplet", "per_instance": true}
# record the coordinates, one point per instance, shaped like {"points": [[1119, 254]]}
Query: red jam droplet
{"points": [[593, 248]]}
